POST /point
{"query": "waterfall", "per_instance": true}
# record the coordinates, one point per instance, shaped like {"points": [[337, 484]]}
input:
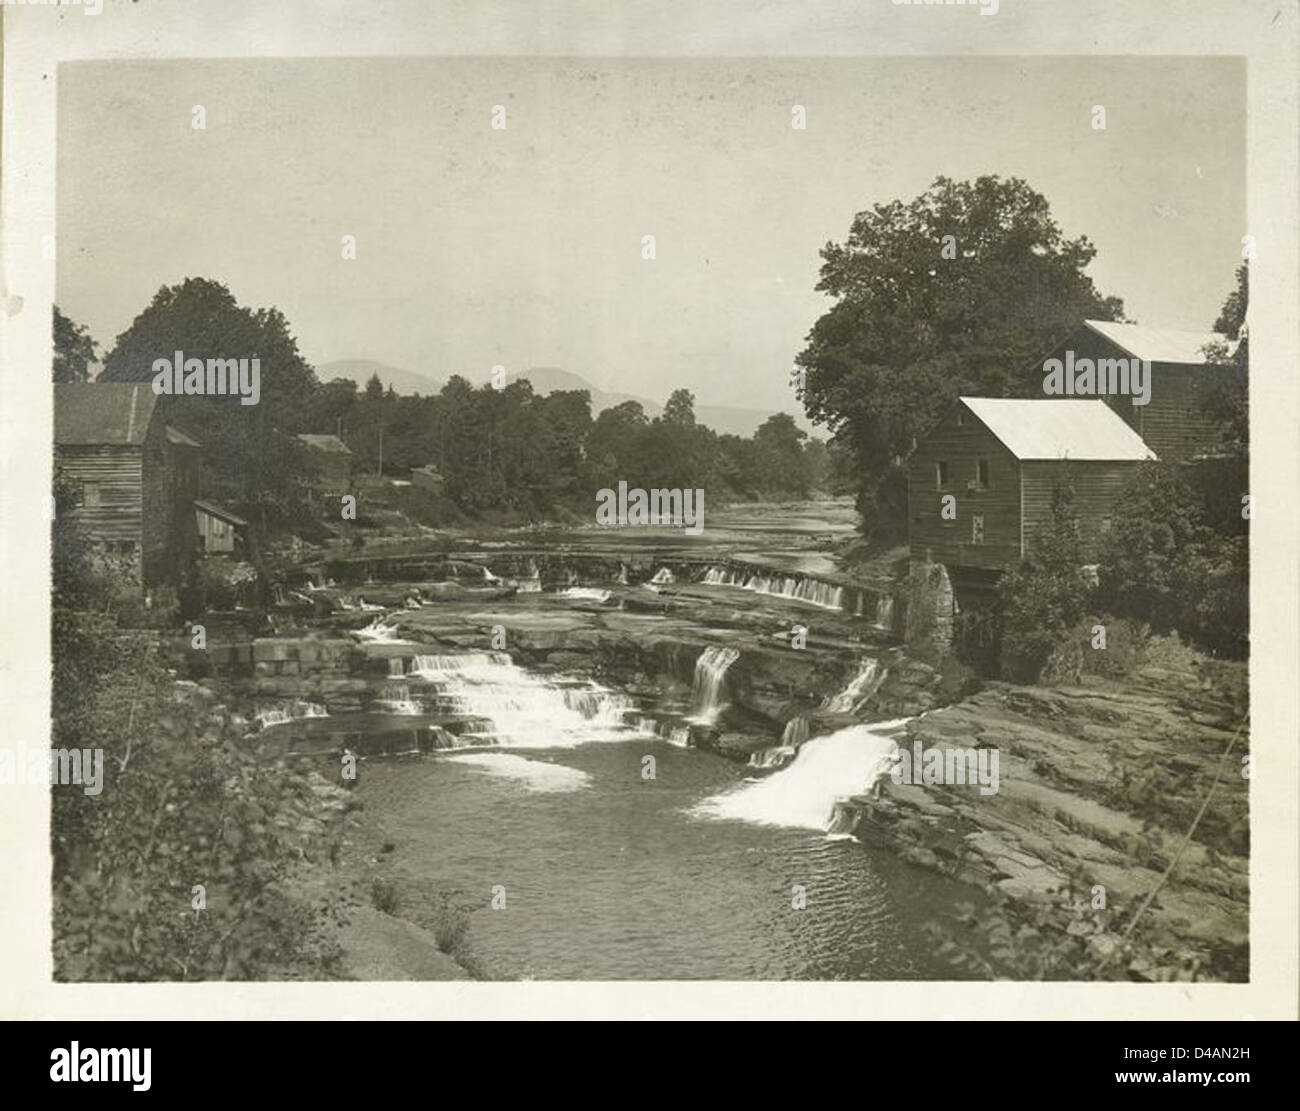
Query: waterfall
{"points": [[885, 611], [792, 736], [826, 769], [813, 591], [532, 584], [710, 673], [523, 710], [860, 687], [622, 574], [795, 731], [398, 701], [278, 715], [395, 666], [662, 577]]}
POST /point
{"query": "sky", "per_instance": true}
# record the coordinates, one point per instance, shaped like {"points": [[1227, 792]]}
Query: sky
{"points": [[523, 247]]}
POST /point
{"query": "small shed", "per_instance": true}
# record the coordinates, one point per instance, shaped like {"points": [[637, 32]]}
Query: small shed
{"points": [[217, 527]]}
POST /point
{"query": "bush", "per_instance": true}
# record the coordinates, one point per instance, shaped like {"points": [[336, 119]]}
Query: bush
{"points": [[1041, 601]]}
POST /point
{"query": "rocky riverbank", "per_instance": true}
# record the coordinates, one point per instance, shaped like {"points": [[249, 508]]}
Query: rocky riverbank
{"points": [[1098, 784]]}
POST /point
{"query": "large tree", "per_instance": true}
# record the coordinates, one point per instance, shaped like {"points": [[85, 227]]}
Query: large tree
{"points": [[250, 455], [952, 293], [74, 350]]}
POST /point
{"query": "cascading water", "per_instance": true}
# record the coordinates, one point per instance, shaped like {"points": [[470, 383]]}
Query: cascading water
{"points": [[663, 577], [378, 632], [860, 687], [885, 611], [827, 769], [812, 591], [532, 584], [792, 736], [622, 574], [710, 674], [396, 667], [397, 700], [524, 710], [296, 711]]}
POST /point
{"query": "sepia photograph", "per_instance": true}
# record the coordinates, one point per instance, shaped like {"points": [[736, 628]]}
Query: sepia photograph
{"points": [[633, 516]]}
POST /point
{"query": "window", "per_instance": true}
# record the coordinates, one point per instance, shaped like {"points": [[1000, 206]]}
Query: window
{"points": [[982, 474], [977, 528], [941, 473], [961, 418]]}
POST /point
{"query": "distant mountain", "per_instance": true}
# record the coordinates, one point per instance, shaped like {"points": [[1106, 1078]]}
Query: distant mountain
{"points": [[360, 371], [547, 379]]}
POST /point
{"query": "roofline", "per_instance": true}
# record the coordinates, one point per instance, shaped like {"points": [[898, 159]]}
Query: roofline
{"points": [[1090, 325], [1151, 456]]}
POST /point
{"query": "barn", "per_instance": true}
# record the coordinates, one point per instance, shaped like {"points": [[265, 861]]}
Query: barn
{"points": [[981, 482], [133, 476], [1172, 422]]}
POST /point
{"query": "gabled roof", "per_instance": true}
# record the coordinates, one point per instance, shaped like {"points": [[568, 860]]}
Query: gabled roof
{"points": [[212, 509], [1059, 428], [331, 444], [176, 436], [103, 412], [1160, 345]]}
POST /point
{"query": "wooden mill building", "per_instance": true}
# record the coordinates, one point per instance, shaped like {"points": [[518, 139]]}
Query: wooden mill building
{"points": [[999, 459], [1173, 422], [135, 477]]}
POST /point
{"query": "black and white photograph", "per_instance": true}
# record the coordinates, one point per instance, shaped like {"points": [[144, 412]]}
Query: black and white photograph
{"points": [[713, 516]]}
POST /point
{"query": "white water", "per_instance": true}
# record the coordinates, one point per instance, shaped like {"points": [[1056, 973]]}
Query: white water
{"points": [[860, 687], [591, 593], [396, 667], [296, 711], [399, 701], [536, 775], [885, 611], [804, 794], [710, 672], [812, 591], [525, 710], [662, 577], [377, 632]]}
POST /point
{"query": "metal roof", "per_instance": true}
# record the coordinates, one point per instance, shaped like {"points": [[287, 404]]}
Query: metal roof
{"points": [[1059, 428], [176, 436], [1160, 345], [103, 412], [327, 443], [212, 509]]}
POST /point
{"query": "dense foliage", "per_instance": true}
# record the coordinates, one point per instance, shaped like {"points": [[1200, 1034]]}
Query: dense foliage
{"points": [[184, 802]]}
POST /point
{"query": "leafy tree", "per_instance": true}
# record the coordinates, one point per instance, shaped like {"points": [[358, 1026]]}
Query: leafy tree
{"points": [[250, 454], [1227, 403], [779, 456], [911, 330], [74, 350]]}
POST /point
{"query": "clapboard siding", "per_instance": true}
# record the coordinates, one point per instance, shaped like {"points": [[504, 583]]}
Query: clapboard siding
{"points": [[1097, 488], [112, 505], [1172, 422], [962, 440]]}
